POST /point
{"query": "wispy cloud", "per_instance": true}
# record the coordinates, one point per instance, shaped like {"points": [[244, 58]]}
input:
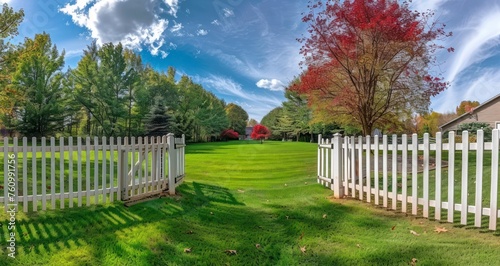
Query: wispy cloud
{"points": [[425, 5], [477, 41], [229, 87]]}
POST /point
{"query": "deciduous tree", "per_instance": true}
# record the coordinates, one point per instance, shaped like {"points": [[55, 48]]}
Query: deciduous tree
{"points": [[466, 107], [238, 118], [260, 132], [368, 61]]}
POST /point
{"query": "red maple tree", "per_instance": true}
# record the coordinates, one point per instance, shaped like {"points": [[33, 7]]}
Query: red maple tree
{"points": [[229, 134], [368, 61], [260, 132]]}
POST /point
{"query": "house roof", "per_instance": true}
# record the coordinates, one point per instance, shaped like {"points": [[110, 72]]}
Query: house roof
{"points": [[479, 107]]}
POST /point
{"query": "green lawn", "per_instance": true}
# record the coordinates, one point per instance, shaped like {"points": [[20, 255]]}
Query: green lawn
{"points": [[237, 195]]}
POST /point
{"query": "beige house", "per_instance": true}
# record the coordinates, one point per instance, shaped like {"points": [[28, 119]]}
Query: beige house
{"points": [[487, 112]]}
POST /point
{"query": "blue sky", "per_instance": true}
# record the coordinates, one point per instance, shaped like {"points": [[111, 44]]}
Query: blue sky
{"points": [[246, 51]]}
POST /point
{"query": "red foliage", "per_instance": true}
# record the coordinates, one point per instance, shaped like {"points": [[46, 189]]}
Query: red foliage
{"points": [[260, 132], [229, 134], [361, 51]]}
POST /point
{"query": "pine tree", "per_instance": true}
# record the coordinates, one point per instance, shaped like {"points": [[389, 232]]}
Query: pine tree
{"points": [[158, 121]]}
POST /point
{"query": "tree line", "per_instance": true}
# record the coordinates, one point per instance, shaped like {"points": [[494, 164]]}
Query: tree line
{"points": [[110, 92]]}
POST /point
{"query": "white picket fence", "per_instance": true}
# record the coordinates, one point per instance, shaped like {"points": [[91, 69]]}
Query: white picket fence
{"points": [[354, 167], [88, 171]]}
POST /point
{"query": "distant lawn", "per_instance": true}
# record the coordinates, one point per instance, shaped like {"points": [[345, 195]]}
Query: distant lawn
{"points": [[237, 195]]}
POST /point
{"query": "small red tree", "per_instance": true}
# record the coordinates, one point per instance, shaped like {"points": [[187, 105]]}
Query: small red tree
{"points": [[260, 132], [367, 61], [229, 134]]}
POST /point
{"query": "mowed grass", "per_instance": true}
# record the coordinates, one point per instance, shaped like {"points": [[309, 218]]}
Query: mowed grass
{"points": [[237, 195]]}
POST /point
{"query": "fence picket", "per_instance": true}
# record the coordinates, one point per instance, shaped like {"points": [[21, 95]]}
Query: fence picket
{"points": [[465, 175], [368, 170], [16, 174], [479, 178], [79, 169], [111, 168], [96, 170], [451, 176], [53, 173], [319, 158], [394, 171], [44, 176], [494, 180], [414, 174], [384, 171], [347, 168], [439, 147], [104, 170], [360, 167], [33, 174], [61, 173], [426, 176], [404, 170], [132, 166], [353, 166], [139, 171], [70, 171], [149, 179], [87, 170], [375, 168], [25, 174]]}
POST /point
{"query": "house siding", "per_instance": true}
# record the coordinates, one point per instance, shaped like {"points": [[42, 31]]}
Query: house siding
{"points": [[489, 113]]}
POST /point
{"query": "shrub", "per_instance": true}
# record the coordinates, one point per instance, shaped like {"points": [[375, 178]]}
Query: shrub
{"points": [[229, 134]]}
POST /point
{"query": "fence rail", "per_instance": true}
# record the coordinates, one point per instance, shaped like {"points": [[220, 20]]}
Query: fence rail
{"points": [[456, 178], [82, 171]]}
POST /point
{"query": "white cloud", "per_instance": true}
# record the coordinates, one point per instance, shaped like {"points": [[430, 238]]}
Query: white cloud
{"points": [[228, 12], [174, 7], [202, 32], [273, 84], [215, 22], [133, 23]]}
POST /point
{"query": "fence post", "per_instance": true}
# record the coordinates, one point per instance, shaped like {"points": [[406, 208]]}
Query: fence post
{"points": [[319, 159], [171, 163], [124, 171], [338, 186]]}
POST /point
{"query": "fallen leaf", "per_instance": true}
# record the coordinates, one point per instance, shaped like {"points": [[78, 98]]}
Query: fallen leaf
{"points": [[303, 249], [187, 250], [440, 230], [414, 233], [413, 262], [393, 228], [257, 245], [230, 251], [358, 245], [324, 216], [241, 191]]}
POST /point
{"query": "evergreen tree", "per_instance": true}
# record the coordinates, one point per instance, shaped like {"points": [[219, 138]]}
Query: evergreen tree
{"points": [[158, 122]]}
